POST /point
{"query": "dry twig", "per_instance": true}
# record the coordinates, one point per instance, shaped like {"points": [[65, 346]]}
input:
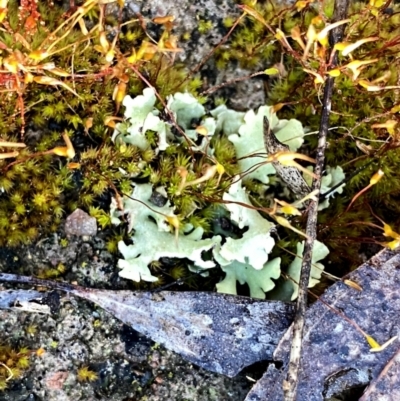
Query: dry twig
{"points": [[291, 383]]}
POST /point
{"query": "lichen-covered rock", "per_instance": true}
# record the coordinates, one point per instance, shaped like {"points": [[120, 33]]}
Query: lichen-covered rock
{"points": [[199, 27]]}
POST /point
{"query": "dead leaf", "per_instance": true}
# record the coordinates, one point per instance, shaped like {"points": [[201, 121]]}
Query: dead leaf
{"points": [[221, 333]]}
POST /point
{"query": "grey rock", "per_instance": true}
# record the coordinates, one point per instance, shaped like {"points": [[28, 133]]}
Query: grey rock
{"points": [[80, 223]]}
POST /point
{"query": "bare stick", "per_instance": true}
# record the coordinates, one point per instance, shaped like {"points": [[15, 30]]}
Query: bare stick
{"points": [[291, 382]]}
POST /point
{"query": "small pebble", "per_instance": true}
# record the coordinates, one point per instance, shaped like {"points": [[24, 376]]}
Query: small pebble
{"points": [[80, 223]]}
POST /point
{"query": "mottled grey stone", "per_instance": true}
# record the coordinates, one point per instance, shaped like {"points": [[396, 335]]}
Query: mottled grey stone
{"points": [[80, 223]]}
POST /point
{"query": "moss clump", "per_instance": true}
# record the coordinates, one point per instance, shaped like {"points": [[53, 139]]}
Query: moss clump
{"points": [[32, 197], [85, 374], [12, 364], [205, 26], [69, 71]]}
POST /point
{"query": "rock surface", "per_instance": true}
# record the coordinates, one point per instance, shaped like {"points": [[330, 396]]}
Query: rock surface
{"points": [[128, 365], [198, 44]]}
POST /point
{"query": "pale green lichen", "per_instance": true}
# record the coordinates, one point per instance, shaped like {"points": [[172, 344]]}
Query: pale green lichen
{"points": [[256, 243], [259, 281], [320, 251], [244, 259], [249, 141], [333, 176], [141, 116], [153, 237]]}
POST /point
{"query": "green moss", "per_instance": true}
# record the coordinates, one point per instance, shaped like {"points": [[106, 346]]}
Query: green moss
{"points": [[13, 362], [35, 186], [205, 26]]}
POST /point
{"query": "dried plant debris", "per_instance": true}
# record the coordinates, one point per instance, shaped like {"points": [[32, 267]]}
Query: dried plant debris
{"points": [[336, 356], [221, 333]]}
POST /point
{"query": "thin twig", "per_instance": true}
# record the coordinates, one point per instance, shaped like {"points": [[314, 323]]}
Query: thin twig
{"points": [[291, 382]]}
